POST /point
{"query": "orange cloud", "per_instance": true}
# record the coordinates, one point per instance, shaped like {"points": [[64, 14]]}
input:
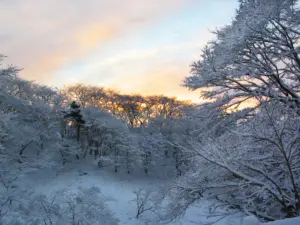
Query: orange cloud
{"points": [[78, 45], [164, 80], [89, 37], [47, 35]]}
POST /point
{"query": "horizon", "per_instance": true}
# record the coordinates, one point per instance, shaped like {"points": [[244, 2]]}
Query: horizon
{"points": [[129, 47]]}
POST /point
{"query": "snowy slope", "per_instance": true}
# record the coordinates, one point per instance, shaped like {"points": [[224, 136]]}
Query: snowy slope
{"points": [[118, 188], [292, 221], [253, 221]]}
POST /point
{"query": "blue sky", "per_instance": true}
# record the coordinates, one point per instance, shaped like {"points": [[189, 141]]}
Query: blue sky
{"points": [[135, 46]]}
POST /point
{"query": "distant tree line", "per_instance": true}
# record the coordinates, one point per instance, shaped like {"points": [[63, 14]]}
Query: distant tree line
{"points": [[134, 110]]}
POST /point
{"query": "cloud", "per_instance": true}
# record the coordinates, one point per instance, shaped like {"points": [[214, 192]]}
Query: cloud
{"points": [[133, 45], [165, 79], [43, 62], [45, 35], [90, 36], [150, 71], [138, 20]]}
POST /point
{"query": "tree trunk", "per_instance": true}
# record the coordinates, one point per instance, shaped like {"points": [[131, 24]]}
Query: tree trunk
{"points": [[78, 132]]}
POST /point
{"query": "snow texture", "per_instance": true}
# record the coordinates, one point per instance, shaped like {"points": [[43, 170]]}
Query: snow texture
{"points": [[292, 221], [118, 189], [251, 220]]}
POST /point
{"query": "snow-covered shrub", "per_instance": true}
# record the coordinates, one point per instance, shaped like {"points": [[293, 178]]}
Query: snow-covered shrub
{"points": [[106, 136], [86, 207]]}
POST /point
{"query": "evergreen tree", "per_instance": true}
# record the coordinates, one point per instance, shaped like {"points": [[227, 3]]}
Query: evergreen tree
{"points": [[74, 115]]}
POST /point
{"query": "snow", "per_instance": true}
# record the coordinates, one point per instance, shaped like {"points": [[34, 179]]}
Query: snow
{"points": [[117, 188], [250, 220], [292, 221]]}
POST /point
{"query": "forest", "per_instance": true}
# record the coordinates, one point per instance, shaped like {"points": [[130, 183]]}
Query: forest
{"points": [[236, 154]]}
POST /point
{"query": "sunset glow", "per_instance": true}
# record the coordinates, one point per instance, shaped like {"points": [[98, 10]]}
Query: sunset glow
{"points": [[133, 46]]}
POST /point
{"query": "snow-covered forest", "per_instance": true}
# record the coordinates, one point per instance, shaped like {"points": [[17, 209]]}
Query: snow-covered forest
{"points": [[85, 154]]}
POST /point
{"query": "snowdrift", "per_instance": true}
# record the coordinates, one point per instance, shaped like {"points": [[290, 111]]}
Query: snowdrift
{"points": [[253, 221]]}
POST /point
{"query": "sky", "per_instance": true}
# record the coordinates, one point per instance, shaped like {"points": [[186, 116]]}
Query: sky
{"points": [[134, 46]]}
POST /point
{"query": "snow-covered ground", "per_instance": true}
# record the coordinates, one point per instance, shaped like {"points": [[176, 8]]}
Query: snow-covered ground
{"points": [[292, 221], [117, 188], [250, 220]]}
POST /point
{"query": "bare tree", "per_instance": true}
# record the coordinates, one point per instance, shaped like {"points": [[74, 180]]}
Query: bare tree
{"points": [[144, 201]]}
